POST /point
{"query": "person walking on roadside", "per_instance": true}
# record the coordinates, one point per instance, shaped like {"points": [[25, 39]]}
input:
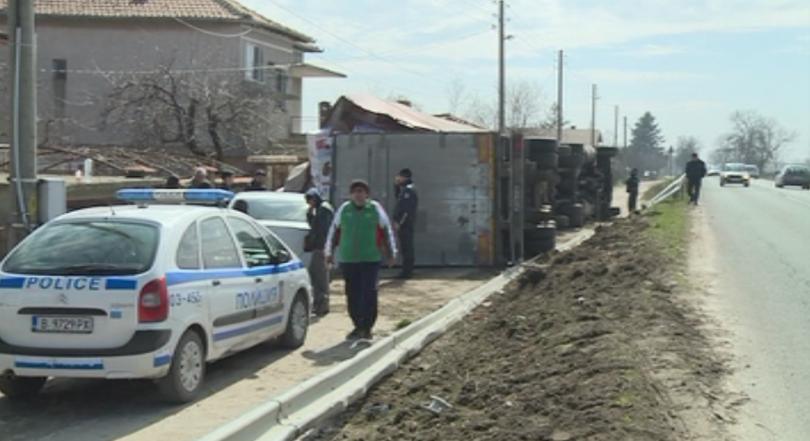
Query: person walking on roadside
{"points": [[632, 184], [319, 217], [405, 219], [362, 234], [695, 172]]}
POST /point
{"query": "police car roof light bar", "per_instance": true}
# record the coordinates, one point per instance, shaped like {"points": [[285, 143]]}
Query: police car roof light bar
{"points": [[197, 196]]}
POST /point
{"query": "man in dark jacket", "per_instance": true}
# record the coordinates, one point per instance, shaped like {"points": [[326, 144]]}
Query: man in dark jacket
{"points": [[319, 217], [200, 179], [405, 219], [227, 180], [259, 181], [695, 172], [632, 191]]}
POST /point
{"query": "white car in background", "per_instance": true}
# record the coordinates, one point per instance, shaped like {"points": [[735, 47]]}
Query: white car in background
{"points": [[146, 291], [734, 173], [285, 214]]}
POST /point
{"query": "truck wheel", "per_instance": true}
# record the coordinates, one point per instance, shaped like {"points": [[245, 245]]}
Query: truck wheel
{"points": [[15, 387], [576, 216], [546, 161], [536, 247], [540, 232], [297, 324], [562, 221], [564, 150], [182, 383]]}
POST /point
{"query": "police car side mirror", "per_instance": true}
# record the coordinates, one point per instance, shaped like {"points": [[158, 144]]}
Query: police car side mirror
{"points": [[282, 256]]}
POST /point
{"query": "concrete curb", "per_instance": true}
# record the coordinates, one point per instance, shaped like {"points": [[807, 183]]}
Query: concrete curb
{"points": [[289, 415]]}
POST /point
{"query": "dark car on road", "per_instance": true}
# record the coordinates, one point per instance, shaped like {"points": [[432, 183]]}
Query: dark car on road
{"points": [[797, 175]]}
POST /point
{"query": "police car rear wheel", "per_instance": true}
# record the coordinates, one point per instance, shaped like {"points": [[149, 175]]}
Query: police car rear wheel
{"points": [[182, 384], [297, 325], [15, 387]]}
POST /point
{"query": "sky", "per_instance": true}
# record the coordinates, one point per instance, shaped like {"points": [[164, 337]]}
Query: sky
{"points": [[690, 63]]}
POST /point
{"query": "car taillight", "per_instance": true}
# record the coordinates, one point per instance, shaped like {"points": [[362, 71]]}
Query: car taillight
{"points": [[153, 302]]}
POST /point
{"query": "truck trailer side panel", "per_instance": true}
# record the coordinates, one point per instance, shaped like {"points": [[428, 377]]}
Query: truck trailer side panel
{"points": [[455, 180]]}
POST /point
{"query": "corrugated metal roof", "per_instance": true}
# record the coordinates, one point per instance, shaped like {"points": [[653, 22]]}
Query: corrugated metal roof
{"points": [[408, 116], [217, 10], [570, 136]]}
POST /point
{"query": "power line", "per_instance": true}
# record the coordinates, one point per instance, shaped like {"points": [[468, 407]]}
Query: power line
{"points": [[212, 33], [345, 40]]}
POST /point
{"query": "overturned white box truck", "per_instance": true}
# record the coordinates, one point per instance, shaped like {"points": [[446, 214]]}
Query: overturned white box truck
{"points": [[484, 200]]}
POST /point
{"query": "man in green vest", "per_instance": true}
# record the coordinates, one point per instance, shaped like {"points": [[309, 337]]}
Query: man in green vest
{"points": [[361, 235]]}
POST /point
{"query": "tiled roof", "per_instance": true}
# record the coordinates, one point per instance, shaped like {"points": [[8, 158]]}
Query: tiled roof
{"points": [[216, 10]]}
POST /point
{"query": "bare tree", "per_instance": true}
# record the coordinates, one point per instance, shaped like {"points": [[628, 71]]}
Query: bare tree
{"points": [[456, 96], [523, 108], [684, 148], [754, 139], [208, 113], [550, 120]]}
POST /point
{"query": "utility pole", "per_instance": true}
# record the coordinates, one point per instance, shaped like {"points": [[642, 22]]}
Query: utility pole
{"points": [[559, 96], [501, 70], [23, 167], [625, 132], [615, 126], [593, 115]]}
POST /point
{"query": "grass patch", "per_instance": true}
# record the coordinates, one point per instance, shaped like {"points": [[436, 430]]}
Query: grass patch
{"points": [[404, 323], [669, 225]]}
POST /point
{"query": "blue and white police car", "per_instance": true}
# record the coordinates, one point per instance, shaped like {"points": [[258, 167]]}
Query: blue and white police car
{"points": [[151, 290]]}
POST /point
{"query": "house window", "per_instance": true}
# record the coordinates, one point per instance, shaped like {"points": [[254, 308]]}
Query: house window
{"points": [[281, 83], [59, 86], [254, 63]]}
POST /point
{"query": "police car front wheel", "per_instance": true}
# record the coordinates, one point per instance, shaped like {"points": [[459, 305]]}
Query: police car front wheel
{"points": [[297, 324], [15, 387], [186, 375]]}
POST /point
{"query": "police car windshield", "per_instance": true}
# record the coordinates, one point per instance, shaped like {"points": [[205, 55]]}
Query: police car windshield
{"points": [[287, 209], [86, 248]]}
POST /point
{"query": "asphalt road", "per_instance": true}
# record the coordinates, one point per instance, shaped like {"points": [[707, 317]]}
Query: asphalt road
{"points": [[753, 252]]}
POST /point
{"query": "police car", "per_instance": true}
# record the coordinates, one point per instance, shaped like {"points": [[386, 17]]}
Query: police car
{"points": [[146, 291]]}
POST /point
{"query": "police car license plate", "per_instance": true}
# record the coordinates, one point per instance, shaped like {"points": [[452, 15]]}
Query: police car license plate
{"points": [[64, 325]]}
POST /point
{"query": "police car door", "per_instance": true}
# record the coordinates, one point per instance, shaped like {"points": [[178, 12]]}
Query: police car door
{"points": [[263, 297], [283, 258], [230, 321]]}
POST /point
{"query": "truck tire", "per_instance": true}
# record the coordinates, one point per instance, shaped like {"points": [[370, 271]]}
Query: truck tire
{"points": [[539, 215], [546, 161], [571, 161], [562, 221], [21, 388], [183, 382], [564, 150], [540, 232], [576, 216], [297, 324], [540, 146], [537, 247]]}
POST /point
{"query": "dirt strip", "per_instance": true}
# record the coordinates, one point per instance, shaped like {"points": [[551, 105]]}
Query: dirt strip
{"points": [[593, 344]]}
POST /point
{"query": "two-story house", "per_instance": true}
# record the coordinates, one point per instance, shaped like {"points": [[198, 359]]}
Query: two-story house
{"points": [[208, 54]]}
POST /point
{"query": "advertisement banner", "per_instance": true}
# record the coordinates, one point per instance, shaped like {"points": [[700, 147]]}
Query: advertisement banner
{"points": [[320, 161]]}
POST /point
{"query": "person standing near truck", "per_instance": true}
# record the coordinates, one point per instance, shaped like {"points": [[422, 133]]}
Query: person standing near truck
{"points": [[319, 217], [405, 219], [362, 234], [695, 172], [632, 184]]}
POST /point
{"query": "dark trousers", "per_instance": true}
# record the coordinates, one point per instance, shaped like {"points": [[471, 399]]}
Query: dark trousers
{"points": [[693, 188], [632, 200], [406, 248], [361, 292]]}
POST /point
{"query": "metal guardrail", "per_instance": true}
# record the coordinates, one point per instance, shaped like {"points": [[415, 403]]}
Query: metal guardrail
{"points": [[668, 191]]}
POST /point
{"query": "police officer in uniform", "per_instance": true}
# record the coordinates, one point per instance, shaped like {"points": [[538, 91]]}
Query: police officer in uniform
{"points": [[405, 219]]}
